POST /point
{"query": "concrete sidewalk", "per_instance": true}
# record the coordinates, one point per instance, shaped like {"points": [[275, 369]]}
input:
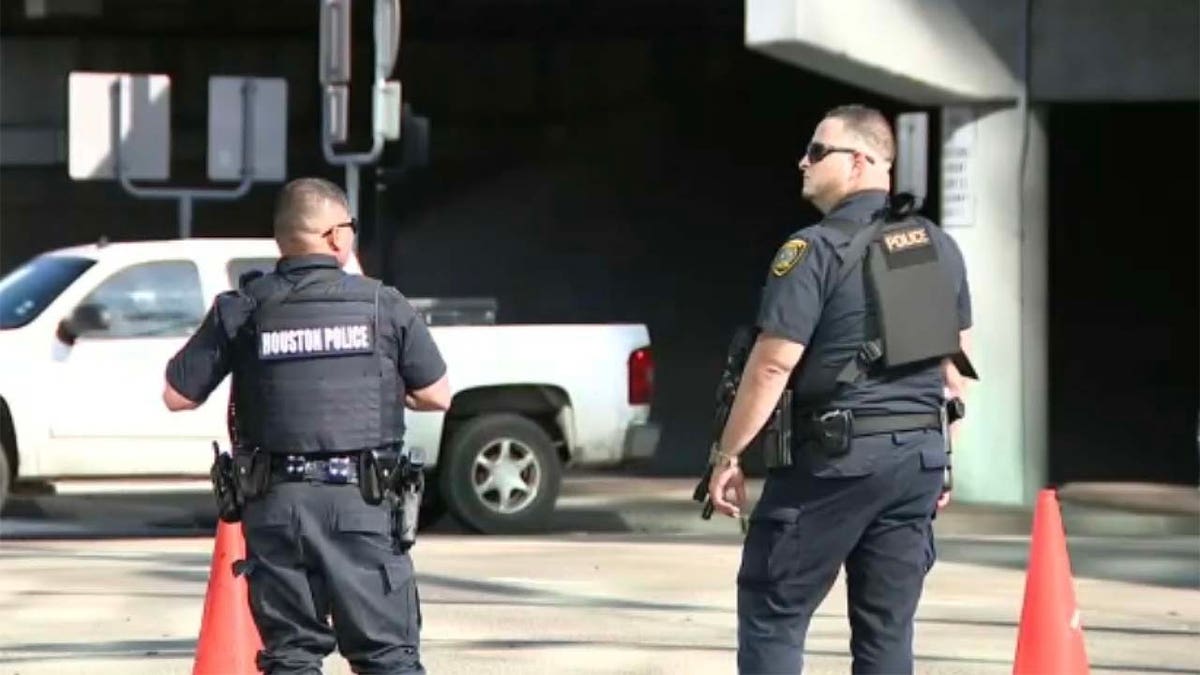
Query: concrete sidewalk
{"points": [[585, 604]]}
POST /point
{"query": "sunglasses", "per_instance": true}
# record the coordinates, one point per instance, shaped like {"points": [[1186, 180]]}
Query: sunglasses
{"points": [[352, 224], [819, 151]]}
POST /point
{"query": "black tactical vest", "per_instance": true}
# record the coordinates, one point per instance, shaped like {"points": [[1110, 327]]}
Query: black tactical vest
{"points": [[915, 317], [315, 377]]}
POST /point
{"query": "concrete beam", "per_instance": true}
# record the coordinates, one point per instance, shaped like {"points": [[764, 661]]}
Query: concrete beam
{"points": [[925, 52], [943, 52]]}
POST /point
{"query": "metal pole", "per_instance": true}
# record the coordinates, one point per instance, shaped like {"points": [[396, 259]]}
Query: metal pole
{"points": [[352, 188], [386, 19], [381, 21], [185, 216]]}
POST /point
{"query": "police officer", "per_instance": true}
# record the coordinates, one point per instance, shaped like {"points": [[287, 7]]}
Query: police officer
{"points": [[322, 362], [868, 448]]}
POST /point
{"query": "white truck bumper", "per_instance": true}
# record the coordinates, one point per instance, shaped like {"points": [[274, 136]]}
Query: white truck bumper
{"points": [[641, 441]]}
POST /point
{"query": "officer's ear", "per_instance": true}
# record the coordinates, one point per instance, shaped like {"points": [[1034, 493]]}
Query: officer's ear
{"points": [[857, 165], [861, 160]]}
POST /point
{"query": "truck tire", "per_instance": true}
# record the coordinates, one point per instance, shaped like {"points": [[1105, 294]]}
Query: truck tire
{"points": [[502, 475], [5, 475]]}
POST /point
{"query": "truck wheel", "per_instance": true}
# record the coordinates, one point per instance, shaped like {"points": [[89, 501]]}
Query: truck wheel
{"points": [[5, 475], [501, 475]]}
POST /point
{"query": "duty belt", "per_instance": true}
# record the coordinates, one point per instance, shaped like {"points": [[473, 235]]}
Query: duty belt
{"points": [[337, 469], [819, 425]]}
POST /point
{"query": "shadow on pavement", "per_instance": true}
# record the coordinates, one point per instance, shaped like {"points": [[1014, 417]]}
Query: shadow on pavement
{"points": [[537, 596], [491, 644], [130, 649], [1168, 562]]}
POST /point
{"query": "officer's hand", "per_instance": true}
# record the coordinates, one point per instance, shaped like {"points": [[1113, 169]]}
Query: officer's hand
{"points": [[727, 489], [944, 499]]}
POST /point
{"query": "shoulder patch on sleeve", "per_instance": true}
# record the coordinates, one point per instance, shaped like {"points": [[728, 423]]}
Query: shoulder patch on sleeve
{"points": [[789, 255]]}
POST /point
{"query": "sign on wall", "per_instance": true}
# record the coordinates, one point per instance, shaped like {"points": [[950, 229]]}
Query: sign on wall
{"points": [[958, 147]]}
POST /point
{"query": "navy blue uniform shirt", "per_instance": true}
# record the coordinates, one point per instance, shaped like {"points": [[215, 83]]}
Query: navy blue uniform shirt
{"points": [[211, 352], [800, 304]]}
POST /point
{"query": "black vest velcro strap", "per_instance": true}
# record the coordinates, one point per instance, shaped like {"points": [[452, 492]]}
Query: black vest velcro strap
{"points": [[860, 238], [964, 365], [868, 353]]}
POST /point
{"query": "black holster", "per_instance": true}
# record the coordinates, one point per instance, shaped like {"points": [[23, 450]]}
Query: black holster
{"points": [[253, 471], [833, 433], [953, 410], [406, 488], [225, 486], [373, 476]]}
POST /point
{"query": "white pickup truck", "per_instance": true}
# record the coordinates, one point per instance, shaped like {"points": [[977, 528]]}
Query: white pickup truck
{"points": [[86, 332]]}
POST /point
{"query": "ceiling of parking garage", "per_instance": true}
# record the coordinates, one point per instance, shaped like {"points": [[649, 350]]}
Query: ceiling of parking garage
{"points": [[497, 19]]}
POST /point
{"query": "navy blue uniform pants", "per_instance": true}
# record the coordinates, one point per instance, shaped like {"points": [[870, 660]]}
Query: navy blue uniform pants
{"points": [[804, 529], [316, 551]]}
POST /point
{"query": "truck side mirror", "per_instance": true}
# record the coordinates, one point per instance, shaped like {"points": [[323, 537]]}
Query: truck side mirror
{"points": [[84, 319]]}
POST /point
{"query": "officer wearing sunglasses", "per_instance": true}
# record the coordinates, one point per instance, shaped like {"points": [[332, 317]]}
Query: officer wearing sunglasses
{"points": [[323, 365], [862, 490]]}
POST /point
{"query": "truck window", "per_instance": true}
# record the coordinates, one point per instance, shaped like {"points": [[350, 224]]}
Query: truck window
{"points": [[28, 290], [239, 266], [155, 299]]}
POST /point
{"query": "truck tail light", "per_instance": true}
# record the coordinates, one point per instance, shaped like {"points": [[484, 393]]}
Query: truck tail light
{"points": [[641, 376]]}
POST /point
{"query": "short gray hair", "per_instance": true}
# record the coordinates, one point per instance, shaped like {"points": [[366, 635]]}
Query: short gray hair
{"points": [[868, 124], [300, 198]]}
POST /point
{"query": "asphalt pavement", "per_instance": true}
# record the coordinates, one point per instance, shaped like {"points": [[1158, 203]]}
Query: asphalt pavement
{"points": [[628, 580]]}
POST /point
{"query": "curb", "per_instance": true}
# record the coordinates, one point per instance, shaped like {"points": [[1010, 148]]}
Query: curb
{"points": [[664, 506]]}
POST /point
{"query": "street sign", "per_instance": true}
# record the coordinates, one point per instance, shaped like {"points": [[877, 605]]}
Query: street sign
{"points": [[333, 63], [333, 71], [136, 107], [267, 155], [387, 41], [336, 100], [912, 154], [385, 116]]}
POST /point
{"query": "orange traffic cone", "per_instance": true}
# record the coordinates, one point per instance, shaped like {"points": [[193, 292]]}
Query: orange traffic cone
{"points": [[229, 640], [1050, 637]]}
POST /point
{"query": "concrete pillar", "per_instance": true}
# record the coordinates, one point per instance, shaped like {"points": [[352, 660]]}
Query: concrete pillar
{"points": [[994, 204]]}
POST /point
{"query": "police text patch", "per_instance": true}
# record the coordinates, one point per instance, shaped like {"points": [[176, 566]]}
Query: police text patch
{"points": [[789, 255], [296, 343], [902, 240], [906, 246]]}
